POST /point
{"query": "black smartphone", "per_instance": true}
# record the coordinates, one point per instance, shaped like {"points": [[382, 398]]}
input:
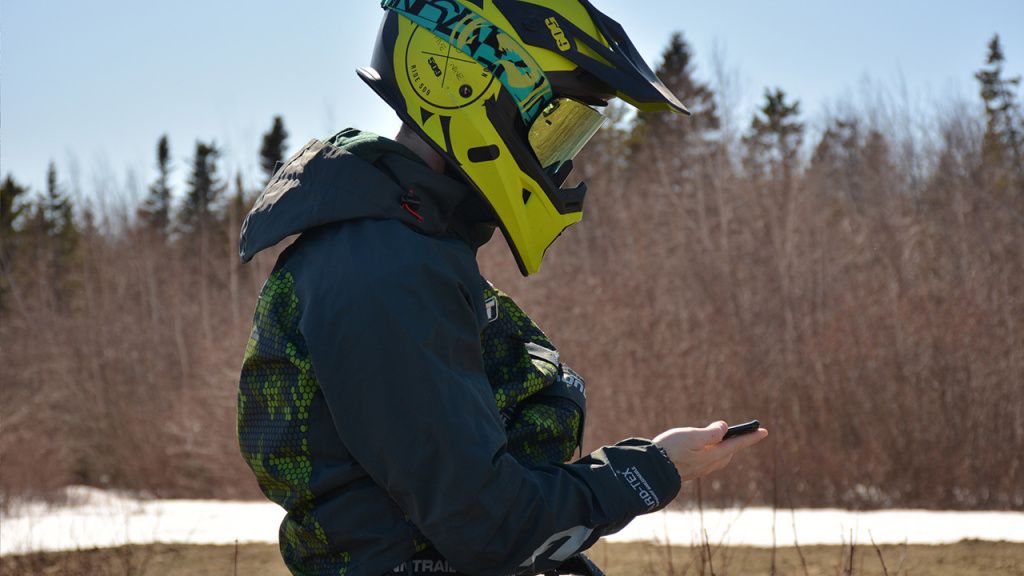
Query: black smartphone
{"points": [[741, 429]]}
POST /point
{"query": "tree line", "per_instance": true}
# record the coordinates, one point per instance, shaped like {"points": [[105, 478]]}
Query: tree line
{"points": [[118, 327], [859, 290], [862, 294]]}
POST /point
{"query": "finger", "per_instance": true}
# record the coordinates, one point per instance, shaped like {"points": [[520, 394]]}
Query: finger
{"points": [[737, 443], [711, 434], [720, 455]]}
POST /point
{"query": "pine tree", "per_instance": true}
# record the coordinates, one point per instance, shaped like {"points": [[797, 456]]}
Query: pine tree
{"points": [[672, 160], [54, 220], [235, 215], [12, 207], [669, 153], [1003, 149], [775, 137], [836, 157], [58, 214], [236, 207], [677, 71], [156, 210], [204, 191], [272, 151]]}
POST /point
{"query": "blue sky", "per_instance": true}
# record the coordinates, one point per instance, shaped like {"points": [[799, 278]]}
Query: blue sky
{"points": [[92, 85]]}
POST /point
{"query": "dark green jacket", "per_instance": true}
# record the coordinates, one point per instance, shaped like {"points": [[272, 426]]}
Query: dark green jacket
{"points": [[391, 400]]}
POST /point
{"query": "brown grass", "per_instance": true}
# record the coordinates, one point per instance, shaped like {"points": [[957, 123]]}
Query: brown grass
{"points": [[967, 558]]}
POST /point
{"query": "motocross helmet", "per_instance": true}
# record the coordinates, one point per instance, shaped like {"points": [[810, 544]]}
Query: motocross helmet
{"points": [[508, 92]]}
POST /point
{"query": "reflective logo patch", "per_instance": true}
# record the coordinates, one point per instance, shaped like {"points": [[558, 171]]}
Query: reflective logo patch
{"points": [[491, 306], [643, 489], [568, 542], [573, 381], [425, 566]]}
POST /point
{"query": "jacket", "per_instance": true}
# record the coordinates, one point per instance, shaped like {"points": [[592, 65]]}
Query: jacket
{"points": [[377, 407]]}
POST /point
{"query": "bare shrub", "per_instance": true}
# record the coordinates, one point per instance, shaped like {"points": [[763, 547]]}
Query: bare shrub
{"points": [[866, 302]]}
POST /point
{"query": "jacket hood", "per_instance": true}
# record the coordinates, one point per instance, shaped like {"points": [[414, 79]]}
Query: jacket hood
{"points": [[355, 175]]}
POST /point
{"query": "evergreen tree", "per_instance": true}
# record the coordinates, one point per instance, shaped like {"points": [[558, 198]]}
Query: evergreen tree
{"points": [[89, 228], [1002, 148], [237, 206], [156, 210], [669, 154], [235, 215], [57, 236], [836, 157], [58, 215], [272, 151], [775, 136], [12, 207], [234, 212], [204, 189], [851, 164], [677, 73], [673, 161]]}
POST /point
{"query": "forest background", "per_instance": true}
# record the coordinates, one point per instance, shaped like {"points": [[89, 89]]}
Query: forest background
{"points": [[860, 290]]}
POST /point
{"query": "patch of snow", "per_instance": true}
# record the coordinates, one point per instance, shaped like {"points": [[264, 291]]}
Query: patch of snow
{"points": [[96, 518], [753, 527]]}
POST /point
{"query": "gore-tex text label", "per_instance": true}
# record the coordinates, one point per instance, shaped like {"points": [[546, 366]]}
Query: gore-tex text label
{"points": [[643, 489]]}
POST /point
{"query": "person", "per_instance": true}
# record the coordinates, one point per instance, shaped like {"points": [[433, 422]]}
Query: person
{"points": [[408, 416]]}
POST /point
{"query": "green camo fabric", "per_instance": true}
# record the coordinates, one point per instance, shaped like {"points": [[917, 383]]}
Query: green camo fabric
{"points": [[540, 429], [276, 389], [278, 386]]}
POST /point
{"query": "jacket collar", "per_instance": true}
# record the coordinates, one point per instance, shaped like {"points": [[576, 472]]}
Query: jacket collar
{"points": [[361, 175]]}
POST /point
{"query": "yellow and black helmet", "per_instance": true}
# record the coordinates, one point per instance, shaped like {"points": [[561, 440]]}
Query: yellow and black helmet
{"points": [[509, 91]]}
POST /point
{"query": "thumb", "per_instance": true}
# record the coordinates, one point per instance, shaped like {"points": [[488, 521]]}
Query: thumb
{"points": [[715, 432]]}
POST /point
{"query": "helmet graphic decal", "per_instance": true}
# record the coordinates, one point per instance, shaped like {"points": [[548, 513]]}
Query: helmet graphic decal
{"points": [[499, 53], [437, 72]]}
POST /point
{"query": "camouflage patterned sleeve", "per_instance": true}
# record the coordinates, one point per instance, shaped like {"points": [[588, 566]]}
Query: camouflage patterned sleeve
{"points": [[539, 432], [541, 400]]}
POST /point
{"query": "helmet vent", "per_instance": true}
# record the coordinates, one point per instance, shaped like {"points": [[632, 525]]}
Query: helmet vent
{"points": [[483, 153], [526, 195]]}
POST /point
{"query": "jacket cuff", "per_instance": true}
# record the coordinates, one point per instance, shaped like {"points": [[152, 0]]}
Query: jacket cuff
{"points": [[647, 477]]}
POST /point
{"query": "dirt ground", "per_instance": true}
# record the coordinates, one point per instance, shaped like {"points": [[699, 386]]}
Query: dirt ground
{"points": [[967, 558]]}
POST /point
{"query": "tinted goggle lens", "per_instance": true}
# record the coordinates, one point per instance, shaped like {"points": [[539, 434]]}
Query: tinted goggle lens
{"points": [[563, 128]]}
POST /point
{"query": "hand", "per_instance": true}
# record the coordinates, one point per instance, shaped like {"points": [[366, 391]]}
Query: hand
{"points": [[697, 452]]}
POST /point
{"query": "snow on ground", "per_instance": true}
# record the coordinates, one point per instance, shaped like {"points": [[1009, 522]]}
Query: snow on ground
{"points": [[753, 527], [94, 518]]}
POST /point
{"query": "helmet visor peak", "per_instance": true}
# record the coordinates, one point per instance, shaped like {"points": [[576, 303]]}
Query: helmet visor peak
{"points": [[562, 129]]}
